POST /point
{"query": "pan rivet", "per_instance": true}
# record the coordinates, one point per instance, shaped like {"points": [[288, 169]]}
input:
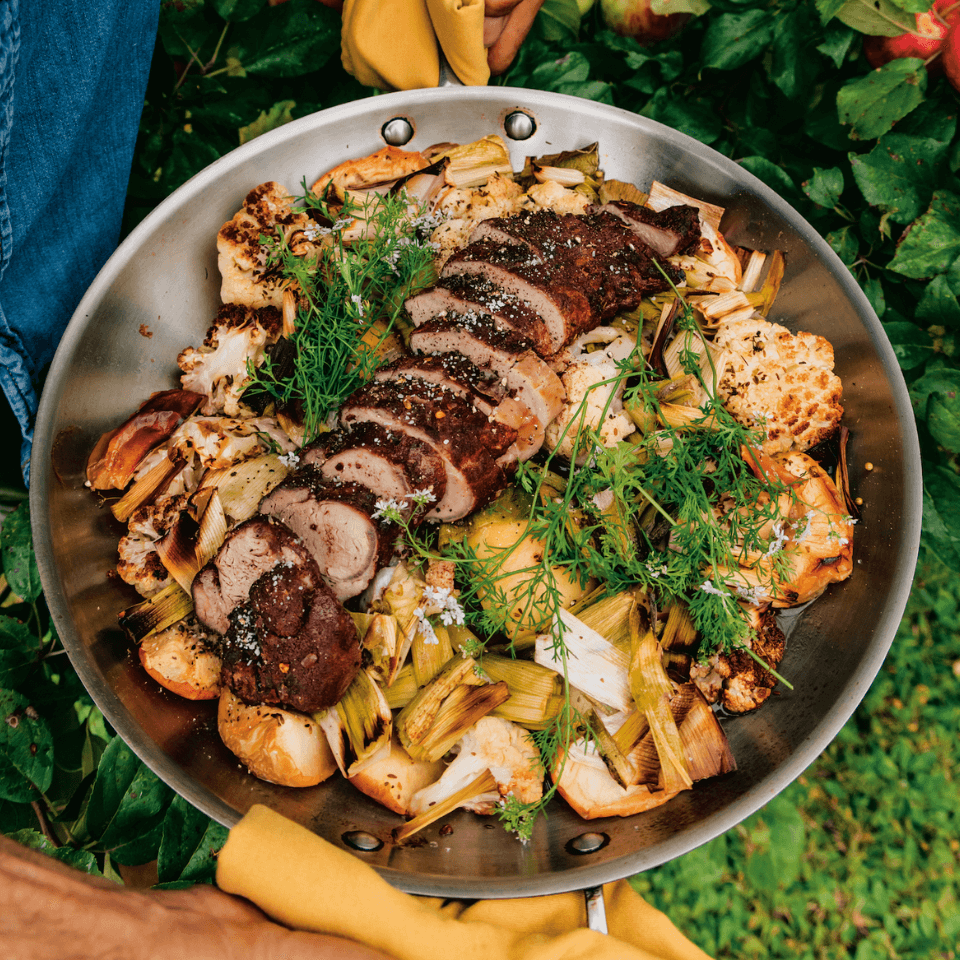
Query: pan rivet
{"points": [[519, 125], [360, 840], [588, 843], [397, 131]]}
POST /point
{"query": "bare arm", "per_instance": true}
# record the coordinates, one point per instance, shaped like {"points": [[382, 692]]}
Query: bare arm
{"points": [[49, 911]]}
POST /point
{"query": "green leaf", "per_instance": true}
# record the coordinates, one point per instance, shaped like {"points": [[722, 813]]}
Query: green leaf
{"points": [[733, 39], [873, 288], [942, 486], [939, 305], [836, 43], [26, 749], [696, 118], [18, 651], [825, 186], [792, 66], [236, 10], [876, 18], [931, 244], [186, 29], [943, 420], [80, 859], [943, 380], [871, 105], [191, 842], [844, 244], [279, 114], [295, 38], [911, 345], [127, 804], [560, 19], [772, 175], [899, 174], [16, 551]]}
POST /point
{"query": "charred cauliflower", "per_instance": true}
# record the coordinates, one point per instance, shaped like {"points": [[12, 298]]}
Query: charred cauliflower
{"points": [[780, 382], [219, 368], [499, 746], [578, 380], [242, 258]]}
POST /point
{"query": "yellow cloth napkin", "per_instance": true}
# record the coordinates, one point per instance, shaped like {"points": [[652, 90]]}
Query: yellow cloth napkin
{"points": [[308, 884], [395, 44]]}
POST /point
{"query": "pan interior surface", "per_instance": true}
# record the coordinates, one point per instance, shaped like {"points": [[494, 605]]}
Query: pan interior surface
{"points": [[160, 291]]}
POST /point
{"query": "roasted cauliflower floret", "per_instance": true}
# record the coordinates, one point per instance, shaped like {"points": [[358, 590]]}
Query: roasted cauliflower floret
{"points": [[236, 340], [499, 746], [735, 679], [242, 258], [140, 564], [550, 195], [576, 416], [218, 442], [781, 382]]}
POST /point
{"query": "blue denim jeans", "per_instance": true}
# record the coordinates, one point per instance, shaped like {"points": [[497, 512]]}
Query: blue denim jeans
{"points": [[72, 80]]}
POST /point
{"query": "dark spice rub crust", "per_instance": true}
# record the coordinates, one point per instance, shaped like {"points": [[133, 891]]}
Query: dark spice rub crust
{"points": [[471, 445], [336, 524], [291, 645], [248, 551], [392, 464]]}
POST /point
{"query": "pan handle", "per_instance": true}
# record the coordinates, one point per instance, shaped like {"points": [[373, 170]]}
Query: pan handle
{"points": [[596, 913], [447, 77]]}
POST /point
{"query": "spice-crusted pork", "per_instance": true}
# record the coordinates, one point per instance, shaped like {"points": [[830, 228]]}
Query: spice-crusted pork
{"points": [[291, 644], [509, 356], [468, 293], [472, 446], [249, 550], [336, 523], [675, 230], [391, 464]]}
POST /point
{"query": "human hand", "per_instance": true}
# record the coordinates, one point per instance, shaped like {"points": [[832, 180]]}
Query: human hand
{"points": [[49, 911], [505, 26]]}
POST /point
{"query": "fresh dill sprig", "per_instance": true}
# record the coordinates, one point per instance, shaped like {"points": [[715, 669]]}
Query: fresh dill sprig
{"points": [[350, 286]]}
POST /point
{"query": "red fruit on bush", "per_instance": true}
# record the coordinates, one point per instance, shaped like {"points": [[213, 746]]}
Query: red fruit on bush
{"points": [[924, 42], [950, 54], [634, 18]]}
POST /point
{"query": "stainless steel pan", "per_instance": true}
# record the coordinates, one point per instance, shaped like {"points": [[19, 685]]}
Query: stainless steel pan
{"points": [[159, 292]]}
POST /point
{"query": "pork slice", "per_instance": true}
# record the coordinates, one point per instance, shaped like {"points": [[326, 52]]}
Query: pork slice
{"points": [[475, 450], [510, 358], [336, 523], [565, 309], [453, 371], [393, 465], [249, 550], [473, 293], [669, 232], [482, 387], [291, 644], [611, 264]]}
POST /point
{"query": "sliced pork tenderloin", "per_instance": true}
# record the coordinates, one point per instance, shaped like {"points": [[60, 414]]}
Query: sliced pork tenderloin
{"points": [[392, 464], [614, 267], [673, 231], [292, 644], [487, 392], [251, 549], [559, 300], [475, 450], [472, 293], [336, 523], [509, 357]]}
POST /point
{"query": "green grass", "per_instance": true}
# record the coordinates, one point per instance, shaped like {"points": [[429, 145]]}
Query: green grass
{"points": [[859, 857]]}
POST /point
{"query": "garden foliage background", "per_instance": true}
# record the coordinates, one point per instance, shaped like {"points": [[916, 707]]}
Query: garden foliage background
{"points": [[859, 857]]}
